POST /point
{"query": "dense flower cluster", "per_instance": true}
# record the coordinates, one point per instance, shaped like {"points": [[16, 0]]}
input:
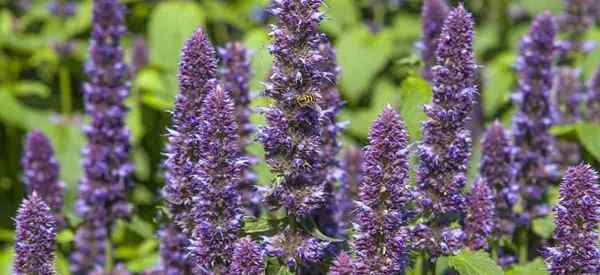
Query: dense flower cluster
{"points": [[576, 19], [385, 197], [103, 188], [498, 172], [235, 76], [197, 66], [577, 214], [247, 258], [593, 98], [139, 55], [292, 137], [330, 105], [533, 119], [347, 192], [433, 14], [216, 211], [173, 251], [297, 249], [479, 221], [41, 172], [90, 241], [35, 238], [445, 148], [567, 93], [342, 265]]}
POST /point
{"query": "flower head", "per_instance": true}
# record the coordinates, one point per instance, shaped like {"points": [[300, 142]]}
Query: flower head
{"points": [[106, 156], [216, 211], [139, 55], [292, 138], [445, 149], [479, 222], [342, 265], [384, 197], [41, 172], [90, 242], [533, 142], [173, 251], [577, 215], [593, 98], [248, 258], [196, 68], [433, 14], [235, 75], [498, 172], [35, 238]]}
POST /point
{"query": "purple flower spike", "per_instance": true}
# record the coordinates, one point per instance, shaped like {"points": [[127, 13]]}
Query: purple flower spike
{"points": [[107, 169], [347, 192], [568, 90], [90, 241], [531, 138], [292, 138], [479, 222], [106, 156], [235, 76], [445, 149], [575, 20], [498, 171], [139, 56], [342, 265], [433, 14], [198, 65], [248, 258], [35, 238], [577, 214], [174, 245], [384, 198], [41, 173], [593, 98], [296, 249], [217, 211]]}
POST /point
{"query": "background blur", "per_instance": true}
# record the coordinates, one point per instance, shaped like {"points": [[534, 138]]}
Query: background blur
{"points": [[42, 54]]}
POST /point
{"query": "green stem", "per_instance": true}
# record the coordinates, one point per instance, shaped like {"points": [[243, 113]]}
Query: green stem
{"points": [[419, 265], [495, 246], [65, 90], [433, 267], [523, 246]]}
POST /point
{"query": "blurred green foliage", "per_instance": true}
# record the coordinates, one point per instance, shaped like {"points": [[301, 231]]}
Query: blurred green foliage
{"points": [[40, 88]]}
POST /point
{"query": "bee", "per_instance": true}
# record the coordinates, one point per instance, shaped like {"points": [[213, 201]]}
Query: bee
{"points": [[306, 100]]}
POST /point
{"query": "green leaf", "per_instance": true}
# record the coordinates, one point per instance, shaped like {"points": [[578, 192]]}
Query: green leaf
{"points": [[311, 227], [29, 88], [339, 16], [543, 226], [360, 120], [361, 55], [589, 135], [534, 7], [499, 80], [7, 235], [535, 267], [563, 130], [142, 263], [414, 93], [284, 270], [258, 41], [253, 225], [171, 23], [469, 262], [64, 237]]}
